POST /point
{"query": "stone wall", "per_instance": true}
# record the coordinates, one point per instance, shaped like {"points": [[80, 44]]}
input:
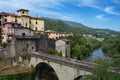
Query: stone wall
{"points": [[45, 44], [25, 44], [10, 49], [63, 47], [23, 31]]}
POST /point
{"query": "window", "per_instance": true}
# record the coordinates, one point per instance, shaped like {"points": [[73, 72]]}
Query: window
{"points": [[26, 24], [36, 28], [30, 22], [23, 12], [15, 20], [0, 22], [12, 25], [23, 34], [36, 22], [0, 30], [5, 15], [0, 17], [5, 20]]}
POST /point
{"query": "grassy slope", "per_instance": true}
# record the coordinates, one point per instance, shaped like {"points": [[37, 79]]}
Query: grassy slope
{"points": [[62, 26]]}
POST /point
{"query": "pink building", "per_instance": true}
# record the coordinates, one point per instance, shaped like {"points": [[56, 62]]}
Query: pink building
{"points": [[52, 34], [11, 30], [8, 31]]}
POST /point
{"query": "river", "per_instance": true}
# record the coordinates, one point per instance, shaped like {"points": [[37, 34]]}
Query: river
{"points": [[96, 54]]}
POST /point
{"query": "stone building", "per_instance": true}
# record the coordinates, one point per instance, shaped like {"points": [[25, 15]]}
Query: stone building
{"points": [[45, 43], [11, 30], [18, 39], [22, 18], [63, 46]]}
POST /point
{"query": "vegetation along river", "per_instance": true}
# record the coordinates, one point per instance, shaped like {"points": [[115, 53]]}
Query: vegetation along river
{"points": [[96, 54]]}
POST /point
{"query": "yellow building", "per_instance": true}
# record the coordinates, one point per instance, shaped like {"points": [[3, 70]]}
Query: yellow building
{"points": [[22, 18]]}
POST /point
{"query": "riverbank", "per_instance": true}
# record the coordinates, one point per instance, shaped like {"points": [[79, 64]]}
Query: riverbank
{"points": [[98, 54]]}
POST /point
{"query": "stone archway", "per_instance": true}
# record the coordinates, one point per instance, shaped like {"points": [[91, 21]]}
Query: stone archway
{"points": [[80, 78], [44, 71]]}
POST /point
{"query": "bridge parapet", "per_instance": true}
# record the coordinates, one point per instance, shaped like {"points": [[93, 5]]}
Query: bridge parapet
{"points": [[64, 61]]}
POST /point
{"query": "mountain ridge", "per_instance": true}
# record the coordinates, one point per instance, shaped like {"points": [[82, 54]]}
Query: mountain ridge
{"points": [[77, 28]]}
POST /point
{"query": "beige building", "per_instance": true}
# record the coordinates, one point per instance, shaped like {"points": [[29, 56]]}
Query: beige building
{"points": [[22, 18]]}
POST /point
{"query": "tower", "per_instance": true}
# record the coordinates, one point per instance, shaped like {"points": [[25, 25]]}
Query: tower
{"points": [[21, 12]]}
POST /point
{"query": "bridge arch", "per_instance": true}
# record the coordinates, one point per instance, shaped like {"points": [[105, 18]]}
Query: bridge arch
{"points": [[44, 71], [80, 78]]}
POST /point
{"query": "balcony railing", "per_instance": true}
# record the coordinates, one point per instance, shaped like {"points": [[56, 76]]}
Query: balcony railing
{"points": [[10, 33]]}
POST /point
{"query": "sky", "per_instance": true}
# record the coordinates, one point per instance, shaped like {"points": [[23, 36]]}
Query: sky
{"points": [[103, 14]]}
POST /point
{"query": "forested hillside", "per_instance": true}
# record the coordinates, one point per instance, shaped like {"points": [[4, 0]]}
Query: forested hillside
{"points": [[77, 28], [60, 26]]}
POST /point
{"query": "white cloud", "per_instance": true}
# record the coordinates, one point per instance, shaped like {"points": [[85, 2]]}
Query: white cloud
{"points": [[97, 5], [111, 10], [36, 7], [100, 17], [90, 3], [116, 1]]}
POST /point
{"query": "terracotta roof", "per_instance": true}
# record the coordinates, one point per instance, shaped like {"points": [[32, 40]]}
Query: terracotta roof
{"points": [[36, 18], [22, 10], [66, 40], [15, 15], [11, 23], [24, 28], [51, 31], [4, 13], [25, 16]]}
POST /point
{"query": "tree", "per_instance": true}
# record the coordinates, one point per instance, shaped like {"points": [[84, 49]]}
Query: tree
{"points": [[101, 72], [3, 44]]}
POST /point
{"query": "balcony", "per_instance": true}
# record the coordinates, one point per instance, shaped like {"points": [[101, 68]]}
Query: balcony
{"points": [[10, 33]]}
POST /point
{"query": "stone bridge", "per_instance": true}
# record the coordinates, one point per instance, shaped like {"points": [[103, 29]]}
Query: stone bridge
{"points": [[63, 68]]}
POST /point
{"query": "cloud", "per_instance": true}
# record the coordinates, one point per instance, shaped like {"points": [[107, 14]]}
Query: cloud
{"points": [[110, 10], [36, 6], [90, 3], [30, 3], [46, 8], [115, 1], [100, 17], [98, 5]]}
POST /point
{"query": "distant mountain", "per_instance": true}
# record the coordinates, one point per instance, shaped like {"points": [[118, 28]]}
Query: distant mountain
{"points": [[75, 24], [77, 28]]}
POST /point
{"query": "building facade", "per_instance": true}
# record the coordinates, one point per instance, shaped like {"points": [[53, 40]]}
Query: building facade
{"points": [[11, 30], [18, 39], [22, 18], [63, 46], [52, 34]]}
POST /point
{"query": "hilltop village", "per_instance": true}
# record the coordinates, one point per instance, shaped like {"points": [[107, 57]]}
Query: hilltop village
{"points": [[22, 32]]}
